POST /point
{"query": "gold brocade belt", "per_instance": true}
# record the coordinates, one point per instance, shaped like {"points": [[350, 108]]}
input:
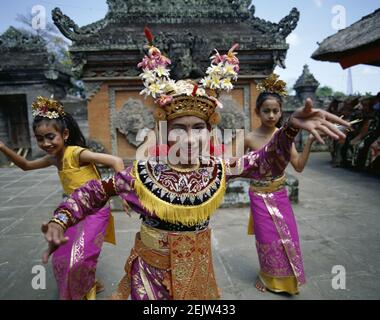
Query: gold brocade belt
{"points": [[268, 186], [158, 239], [187, 257], [153, 238]]}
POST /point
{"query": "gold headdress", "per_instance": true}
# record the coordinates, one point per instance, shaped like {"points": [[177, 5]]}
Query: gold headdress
{"points": [[273, 85], [47, 108], [185, 97]]}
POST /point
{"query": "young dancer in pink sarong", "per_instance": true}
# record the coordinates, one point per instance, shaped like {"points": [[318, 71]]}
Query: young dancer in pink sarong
{"points": [[271, 218]]}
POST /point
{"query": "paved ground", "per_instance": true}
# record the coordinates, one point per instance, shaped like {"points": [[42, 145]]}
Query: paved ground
{"points": [[338, 218]]}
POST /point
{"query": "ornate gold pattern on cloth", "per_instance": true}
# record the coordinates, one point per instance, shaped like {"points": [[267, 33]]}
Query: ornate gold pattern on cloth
{"points": [[294, 257], [265, 186], [124, 287], [273, 259], [154, 238], [268, 186], [187, 264], [77, 251], [80, 276], [191, 265], [186, 198], [146, 287]]}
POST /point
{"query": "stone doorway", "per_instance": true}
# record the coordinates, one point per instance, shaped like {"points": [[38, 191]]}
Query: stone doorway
{"points": [[14, 125]]}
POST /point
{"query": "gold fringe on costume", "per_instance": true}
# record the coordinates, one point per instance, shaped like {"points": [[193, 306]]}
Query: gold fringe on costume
{"points": [[174, 213]]}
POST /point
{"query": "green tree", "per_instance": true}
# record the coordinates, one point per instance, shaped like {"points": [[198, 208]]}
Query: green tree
{"points": [[338, 94], [324, 91]]}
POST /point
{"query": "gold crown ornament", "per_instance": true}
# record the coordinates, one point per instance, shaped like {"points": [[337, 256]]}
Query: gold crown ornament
{"points": [[47, 108], [272, 84]]}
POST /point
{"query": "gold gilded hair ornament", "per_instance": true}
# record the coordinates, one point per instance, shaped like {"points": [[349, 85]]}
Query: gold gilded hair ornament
{"points": [[272, 84], [47, 108]]}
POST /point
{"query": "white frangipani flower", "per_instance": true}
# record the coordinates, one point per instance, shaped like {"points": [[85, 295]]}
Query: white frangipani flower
{"points": [[223, 69], [226, 84], [229, 71], [155, 89], [148, 76], [161, 71], [215, 82], [214, 69]]}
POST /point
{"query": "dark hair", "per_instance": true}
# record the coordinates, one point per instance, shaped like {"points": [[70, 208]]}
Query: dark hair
{"points": [[75, 138], [263, 96]]}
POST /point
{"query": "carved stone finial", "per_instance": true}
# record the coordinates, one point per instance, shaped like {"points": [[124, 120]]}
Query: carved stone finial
{"points": [[289, 23], [67, 26], [71, 30], [306, 79], [306, 85]]}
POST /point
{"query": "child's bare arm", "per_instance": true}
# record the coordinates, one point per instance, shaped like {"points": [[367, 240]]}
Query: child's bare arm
{"points": [[299, 160], [23, 163], [114, 162]]}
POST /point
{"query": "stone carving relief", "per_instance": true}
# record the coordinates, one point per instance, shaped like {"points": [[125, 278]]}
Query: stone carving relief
{"points": [[133, 117]]}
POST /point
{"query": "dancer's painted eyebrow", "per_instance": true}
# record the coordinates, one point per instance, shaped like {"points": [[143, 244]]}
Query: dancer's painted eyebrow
{"points": [[47, 135], [180, 125]]}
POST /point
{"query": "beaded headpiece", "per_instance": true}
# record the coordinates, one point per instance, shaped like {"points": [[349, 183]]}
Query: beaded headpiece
{"points": [[185, 97], [47, 108], [272, 84]]}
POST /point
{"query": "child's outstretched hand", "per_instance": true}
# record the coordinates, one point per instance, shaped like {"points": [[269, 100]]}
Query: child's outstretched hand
{"points": [[54, 234], [317, 120]]}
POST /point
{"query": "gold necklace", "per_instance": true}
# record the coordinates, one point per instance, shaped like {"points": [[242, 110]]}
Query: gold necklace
{"points": [[186, 170]]}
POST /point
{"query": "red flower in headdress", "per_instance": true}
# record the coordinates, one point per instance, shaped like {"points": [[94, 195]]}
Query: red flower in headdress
{"points": [[148, 35], [194, 90]]}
